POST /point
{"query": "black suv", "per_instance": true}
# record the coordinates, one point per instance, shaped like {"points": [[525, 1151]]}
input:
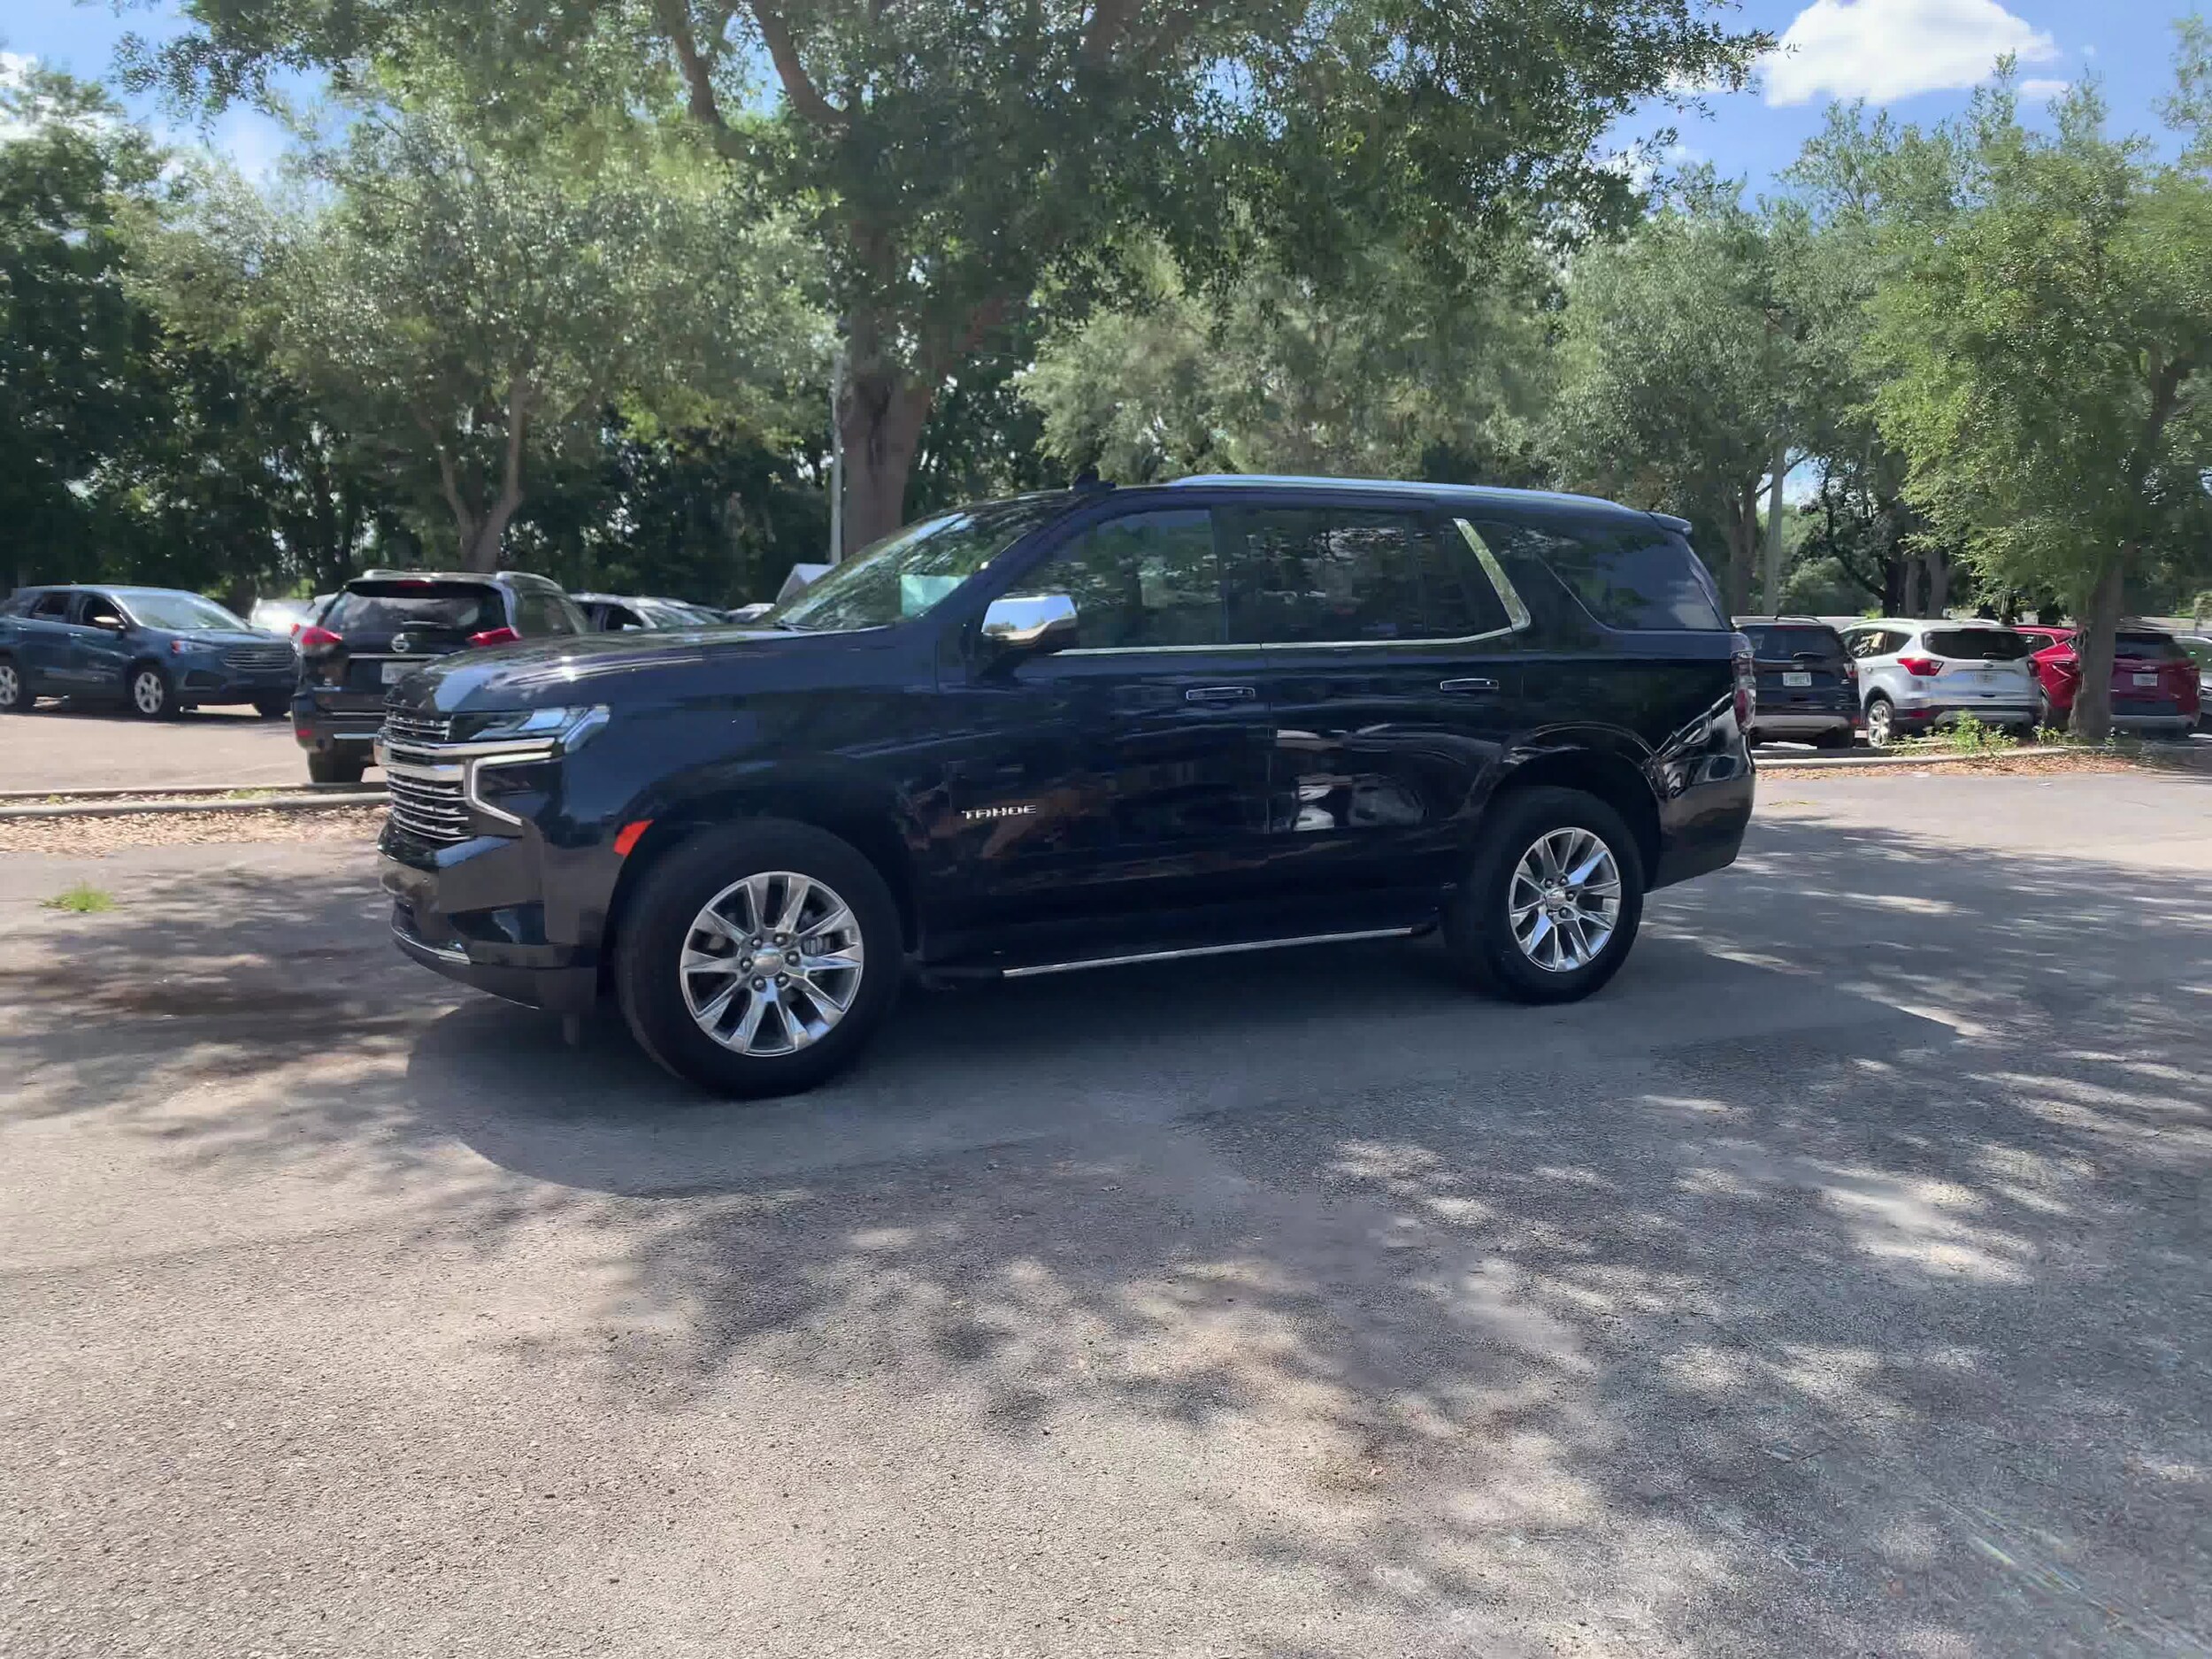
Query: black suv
{"points": [[382, 626], [1808, 685], [1073, 730]]}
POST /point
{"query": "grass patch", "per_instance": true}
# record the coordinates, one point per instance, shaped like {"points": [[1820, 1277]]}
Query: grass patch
{"points": [[83, 899]]}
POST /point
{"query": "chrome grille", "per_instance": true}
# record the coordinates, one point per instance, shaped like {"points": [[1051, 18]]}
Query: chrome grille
{"points": [[417, 731], [428, 802], [256, 659]]}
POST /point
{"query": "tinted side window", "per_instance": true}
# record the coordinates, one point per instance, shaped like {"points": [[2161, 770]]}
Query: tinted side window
{"points": [[1302, 576], [52, 607], [1628, 576], [1146, 579], [1776, 644], [541, 610]]}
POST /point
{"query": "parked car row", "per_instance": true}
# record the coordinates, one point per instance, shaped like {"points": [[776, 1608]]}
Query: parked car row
{"points": [[1898, 677], [160, 651]]}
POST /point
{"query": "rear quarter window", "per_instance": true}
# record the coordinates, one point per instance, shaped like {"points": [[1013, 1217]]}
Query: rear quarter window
{"points": [[1633, 577], [1976, 645]]}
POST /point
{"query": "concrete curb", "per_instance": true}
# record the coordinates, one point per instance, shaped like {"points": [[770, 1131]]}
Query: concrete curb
{"points": [[140, 809], [1845, 762], [183, 790]]}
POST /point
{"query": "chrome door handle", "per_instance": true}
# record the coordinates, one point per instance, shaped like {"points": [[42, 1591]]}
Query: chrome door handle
{"points": [[1219, 693], [1467, 685]]}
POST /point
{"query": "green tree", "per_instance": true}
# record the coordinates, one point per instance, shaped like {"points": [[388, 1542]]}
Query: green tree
{"points": [[75, 386], [1688, 377], [960, 164], [2043, 325], [1391, 373], [469, 307]]}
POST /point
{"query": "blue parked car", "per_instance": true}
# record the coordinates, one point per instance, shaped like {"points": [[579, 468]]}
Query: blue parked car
{"points": [[156, 650]]}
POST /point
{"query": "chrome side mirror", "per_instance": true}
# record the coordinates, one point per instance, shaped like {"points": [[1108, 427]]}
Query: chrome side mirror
{"points": [[1030, 624]]}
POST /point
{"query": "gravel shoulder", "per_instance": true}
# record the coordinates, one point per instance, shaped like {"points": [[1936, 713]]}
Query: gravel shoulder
{"points": [[1833, 1284]]}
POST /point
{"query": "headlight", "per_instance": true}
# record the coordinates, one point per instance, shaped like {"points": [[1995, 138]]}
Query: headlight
{"points": [[565, 728]]}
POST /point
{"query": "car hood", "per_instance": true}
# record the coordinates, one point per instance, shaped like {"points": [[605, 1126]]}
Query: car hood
{"points": [[612, 669]]}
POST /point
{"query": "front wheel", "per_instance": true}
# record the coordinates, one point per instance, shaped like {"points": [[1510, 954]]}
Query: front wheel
{"points": [[1881, 721], [757, 959], [273, 708], [150, 698], [1553, 898]]}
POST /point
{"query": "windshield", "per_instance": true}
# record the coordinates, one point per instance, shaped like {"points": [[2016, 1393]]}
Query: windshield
{"points": [[1778, 644], [2148, 648], [181, 612], [1976, 645], [388, 607], [910, 573]]}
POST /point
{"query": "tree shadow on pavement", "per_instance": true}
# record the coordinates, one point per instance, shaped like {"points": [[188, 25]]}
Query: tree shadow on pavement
{"points": [[1834, 1283]]}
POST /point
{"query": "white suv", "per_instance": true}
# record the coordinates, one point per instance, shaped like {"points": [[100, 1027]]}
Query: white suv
{"points": [[1916, 675]]}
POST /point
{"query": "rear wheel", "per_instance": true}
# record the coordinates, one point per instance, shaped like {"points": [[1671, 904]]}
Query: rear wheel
{"points": [[1881, 720], [330, 766], [1552, 903], [15, 693], [273, 708], [148, 690], [758, 960], [1833, 740]]}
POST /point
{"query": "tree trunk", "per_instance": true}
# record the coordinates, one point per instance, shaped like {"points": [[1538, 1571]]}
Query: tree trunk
{"points": [[1909, 590], [1938, 564], [1773, 587], [881, 418], [2092, 720]]}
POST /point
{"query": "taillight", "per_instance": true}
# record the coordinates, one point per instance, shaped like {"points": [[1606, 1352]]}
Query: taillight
{"points": [[1850, 674], [314, 639], [494, 636], [1920, 667], [1747, 674]]}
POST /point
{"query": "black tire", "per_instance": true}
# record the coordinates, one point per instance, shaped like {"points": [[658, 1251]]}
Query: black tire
{"points": [[655, 929], [1886, 722], [330, 766], [274, 708], [1478, 925], [1833, 740], [15, 696], [139, 685]]}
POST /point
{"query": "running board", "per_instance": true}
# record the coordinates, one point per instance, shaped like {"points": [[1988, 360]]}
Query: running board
{"points": [[1203, 950]]}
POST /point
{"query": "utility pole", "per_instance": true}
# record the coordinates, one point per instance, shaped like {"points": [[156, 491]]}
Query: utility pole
{"points": [[1774, 528], [837, 455]]}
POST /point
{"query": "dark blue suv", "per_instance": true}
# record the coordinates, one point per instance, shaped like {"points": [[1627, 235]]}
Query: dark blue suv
{"points": [[1067, 731], [156, 650]]}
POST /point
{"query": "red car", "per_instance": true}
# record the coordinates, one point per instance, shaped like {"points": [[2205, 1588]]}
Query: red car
{"points": [[2153, 681]]}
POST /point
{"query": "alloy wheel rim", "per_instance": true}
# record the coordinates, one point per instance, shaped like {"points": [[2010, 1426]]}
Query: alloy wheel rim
{"points": [[1564, 899], [146, 692], [9, 685], [772, 964], [1878, 723]]}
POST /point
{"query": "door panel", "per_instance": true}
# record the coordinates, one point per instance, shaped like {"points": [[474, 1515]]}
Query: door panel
{"points": [[99, 657], [44, 645], [1126, 770], [1098, 783]]}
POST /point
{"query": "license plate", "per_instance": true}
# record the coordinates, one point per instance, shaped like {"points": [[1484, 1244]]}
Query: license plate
{"points": [[393, 673], [1797, 679], [2146, 679]]}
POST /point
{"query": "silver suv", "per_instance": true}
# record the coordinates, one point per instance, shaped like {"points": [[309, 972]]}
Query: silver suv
{"points": [[1914, 676]]}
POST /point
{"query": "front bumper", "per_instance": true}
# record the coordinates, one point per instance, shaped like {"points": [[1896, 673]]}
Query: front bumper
{"points": [[215, 685]]}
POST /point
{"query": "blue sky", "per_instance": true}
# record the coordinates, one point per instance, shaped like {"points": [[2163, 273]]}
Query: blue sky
{"points": [[1917, 57]]}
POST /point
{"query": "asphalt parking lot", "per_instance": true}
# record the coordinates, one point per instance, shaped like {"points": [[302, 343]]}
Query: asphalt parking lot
{"points": [[65, 748], [1836, 1283]]}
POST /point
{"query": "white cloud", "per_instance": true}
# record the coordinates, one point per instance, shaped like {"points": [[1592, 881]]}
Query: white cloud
{"points": [[2042, 91], [1883, 50]]}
